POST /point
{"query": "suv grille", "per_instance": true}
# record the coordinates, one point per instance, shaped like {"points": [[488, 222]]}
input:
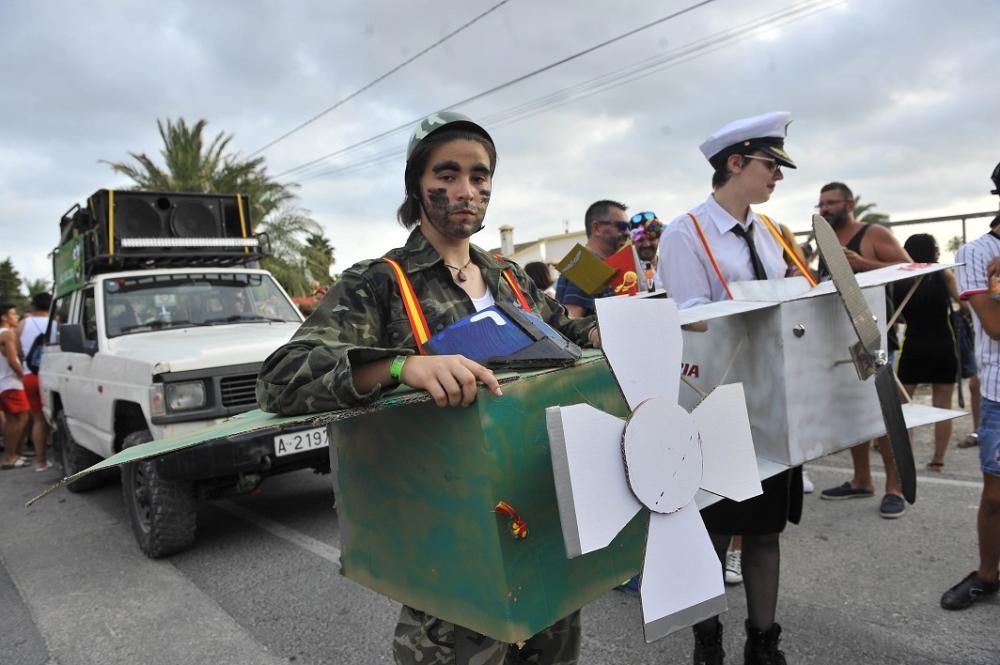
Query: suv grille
{"points": [[239, 391]]}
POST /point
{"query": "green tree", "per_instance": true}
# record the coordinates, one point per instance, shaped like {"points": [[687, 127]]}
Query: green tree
{"points": [[10, 285], [287, 230], [36, 286], [954, 244], [319, 255], [191, 165], [863, 212]]}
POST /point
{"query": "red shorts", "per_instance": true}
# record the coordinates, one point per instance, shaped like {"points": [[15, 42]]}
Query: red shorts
{"points": [[31, 390], [14, 401]]}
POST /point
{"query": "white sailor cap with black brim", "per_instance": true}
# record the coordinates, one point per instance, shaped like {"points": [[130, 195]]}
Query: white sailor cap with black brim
{"points": [[441, 120], [764, 132]]}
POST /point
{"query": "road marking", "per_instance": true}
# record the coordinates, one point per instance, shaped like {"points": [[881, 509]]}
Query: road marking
{"points": [[929, 480], [308, 543]]}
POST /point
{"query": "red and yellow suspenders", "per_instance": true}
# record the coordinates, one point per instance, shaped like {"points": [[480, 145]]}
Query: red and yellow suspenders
{"points": [[774, 231], [418, 322]]}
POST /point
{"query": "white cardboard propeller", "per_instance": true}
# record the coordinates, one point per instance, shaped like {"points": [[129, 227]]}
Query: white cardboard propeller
{"points": [[607, 469]]}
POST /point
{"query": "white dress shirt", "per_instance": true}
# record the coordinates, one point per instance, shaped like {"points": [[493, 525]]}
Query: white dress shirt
{"points": [[685, 269]]}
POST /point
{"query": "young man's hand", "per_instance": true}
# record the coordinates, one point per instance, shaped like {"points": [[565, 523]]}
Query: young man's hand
{"points": [[451, 380]]}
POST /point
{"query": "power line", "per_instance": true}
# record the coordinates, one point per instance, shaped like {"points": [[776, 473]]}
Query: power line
{"points": [[613, 79], [379, 79], [502, 86]]}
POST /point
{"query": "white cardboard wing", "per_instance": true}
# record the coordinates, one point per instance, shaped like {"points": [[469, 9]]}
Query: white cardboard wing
{"points": [[605, 470]]}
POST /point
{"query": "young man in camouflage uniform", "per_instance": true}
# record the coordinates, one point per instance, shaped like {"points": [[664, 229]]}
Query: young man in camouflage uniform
{"points": [[359, 342]]}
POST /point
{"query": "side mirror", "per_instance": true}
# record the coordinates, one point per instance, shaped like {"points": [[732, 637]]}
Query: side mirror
{"points": [[71, 339]]}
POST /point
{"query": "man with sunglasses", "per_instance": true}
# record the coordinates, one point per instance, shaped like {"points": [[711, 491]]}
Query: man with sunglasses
{"points": [[607, 227], [646, 230], [724, 240], [867, 247]]}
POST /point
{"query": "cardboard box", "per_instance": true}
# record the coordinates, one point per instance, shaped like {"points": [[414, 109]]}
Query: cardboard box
{"points": [[416, 489]]}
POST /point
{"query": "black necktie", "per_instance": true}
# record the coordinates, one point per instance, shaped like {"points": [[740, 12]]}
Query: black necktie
{"points": [[747, 234]]}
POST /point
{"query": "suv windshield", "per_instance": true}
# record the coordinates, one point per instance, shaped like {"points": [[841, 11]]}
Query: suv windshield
{"points": [[158, 302]]}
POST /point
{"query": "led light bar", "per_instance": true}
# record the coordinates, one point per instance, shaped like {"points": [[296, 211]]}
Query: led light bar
{"points": [[189, 242]]}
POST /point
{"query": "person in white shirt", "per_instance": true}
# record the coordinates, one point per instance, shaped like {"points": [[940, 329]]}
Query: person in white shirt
{"points": [[720, 241], [13, 402], [28, 329], [979, 261]]}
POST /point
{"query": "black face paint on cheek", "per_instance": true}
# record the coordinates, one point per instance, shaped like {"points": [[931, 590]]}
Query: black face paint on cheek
{"points": [[438, 198], [484, 196]]}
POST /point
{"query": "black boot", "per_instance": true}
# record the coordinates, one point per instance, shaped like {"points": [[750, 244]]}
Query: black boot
{"points": [[762, 646], [708, 645]]}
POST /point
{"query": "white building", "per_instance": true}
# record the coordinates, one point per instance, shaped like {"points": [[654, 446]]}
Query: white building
{"points": [[548, 249]]}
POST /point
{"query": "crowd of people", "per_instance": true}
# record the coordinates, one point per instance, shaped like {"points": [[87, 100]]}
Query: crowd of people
{"points": [[20, 399], [357, 344]]}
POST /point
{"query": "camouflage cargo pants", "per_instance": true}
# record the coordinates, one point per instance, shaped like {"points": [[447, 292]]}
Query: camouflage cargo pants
{"points": [[422, 639]]}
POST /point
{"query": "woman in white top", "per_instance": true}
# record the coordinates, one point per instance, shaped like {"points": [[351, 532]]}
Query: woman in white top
{"points": [[723, 240]]}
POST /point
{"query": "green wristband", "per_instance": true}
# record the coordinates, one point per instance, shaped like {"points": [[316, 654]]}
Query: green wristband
{"points": [[396, 368]]}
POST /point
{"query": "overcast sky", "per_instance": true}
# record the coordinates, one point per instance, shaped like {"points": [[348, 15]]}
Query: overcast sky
{"points": [[898, 98]]}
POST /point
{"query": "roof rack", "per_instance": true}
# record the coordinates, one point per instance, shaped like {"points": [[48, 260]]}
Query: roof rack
{"points": [[135, 230]]}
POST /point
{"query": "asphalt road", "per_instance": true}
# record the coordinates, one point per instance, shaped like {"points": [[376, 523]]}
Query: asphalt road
{"points": [[262, 584]]}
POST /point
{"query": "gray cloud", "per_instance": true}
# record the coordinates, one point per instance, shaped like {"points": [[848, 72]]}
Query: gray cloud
{"points": [[895, 97]]}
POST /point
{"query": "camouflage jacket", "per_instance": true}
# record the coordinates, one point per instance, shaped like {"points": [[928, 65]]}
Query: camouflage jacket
{"points": [[361, 319]]}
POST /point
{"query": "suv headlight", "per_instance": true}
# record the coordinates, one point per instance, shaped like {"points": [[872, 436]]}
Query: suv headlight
{"points": [[185, 396]]}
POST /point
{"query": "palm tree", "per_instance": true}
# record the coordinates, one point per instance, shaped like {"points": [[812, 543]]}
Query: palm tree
{"points": [[189, 165], [289, 253], [319, 258], [36, 286], [863, 212]]}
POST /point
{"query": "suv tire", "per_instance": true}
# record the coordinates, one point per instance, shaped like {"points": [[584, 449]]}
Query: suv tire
{"points": [[163, 513], [74, 457]]}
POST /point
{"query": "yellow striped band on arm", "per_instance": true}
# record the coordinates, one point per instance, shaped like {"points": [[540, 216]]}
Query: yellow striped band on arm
{"points": [[788, 250], [421, 331], [711, 255], [516, 288]]}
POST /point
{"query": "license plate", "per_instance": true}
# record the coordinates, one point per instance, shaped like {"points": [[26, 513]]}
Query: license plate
{"points": [[299, 442]]}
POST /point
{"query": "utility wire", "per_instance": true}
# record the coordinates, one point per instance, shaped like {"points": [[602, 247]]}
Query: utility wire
{"points": [[614, 79], [379, 79], [502, 86]]}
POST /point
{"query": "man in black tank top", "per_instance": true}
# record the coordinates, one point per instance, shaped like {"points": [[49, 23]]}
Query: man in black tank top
{"points": [[868, 247]]}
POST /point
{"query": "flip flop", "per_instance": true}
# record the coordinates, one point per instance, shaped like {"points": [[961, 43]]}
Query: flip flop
{"points": [[19, 463], [936, 467]]}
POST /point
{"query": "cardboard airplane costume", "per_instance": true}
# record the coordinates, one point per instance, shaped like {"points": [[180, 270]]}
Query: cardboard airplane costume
{"points": [[462, 513]]}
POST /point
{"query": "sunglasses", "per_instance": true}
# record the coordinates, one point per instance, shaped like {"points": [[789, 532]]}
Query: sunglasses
{"points": [[621, 226], [641, 218], [772, 164]]}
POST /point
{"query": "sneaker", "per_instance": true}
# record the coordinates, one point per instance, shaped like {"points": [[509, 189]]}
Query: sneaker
{"points": [[734, 567], [845, 491], [967, 592], [892, 506], [807, 484]]}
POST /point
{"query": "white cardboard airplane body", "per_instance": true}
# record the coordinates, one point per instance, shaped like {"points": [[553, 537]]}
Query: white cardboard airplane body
{"points": [[788, 345]]}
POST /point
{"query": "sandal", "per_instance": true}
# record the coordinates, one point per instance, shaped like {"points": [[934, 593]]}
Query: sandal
{"points": [[936, 467], [970, 441], [20, 462]]}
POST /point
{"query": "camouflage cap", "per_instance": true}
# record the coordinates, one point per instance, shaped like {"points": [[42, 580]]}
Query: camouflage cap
{"points": [[439, 120]]}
